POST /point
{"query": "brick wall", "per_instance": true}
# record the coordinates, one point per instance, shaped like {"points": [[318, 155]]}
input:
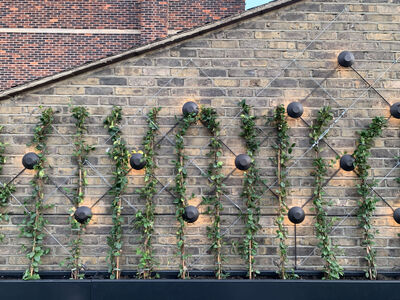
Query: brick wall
{"points": [[250, 60], [41, 38]]}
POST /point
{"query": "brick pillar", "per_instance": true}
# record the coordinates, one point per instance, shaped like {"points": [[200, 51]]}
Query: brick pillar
{"points": [[153, 19]]}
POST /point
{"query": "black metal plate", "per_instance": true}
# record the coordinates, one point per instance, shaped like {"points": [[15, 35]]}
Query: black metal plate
{"points": [[245, 289], [45, 290]]}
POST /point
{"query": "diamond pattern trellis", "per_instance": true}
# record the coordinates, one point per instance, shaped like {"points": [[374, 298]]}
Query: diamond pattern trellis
{"points": [[313, 87]]}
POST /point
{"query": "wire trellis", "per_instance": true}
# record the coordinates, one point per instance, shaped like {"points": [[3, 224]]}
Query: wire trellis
{"points": [[193, 161]]}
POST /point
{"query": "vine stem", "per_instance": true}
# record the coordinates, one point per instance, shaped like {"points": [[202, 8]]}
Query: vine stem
{"points": [[182, 247], [80, 175], [217, 226], [368, 248], [117, 259], [281, 259], [75, 272], [37, 211], [208, 118], [219, 260], [147, 250]]}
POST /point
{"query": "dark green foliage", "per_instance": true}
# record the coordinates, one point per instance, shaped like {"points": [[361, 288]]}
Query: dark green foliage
{"points": [[34, 222], [2, 150], [367, 203], [144, 220], [251, 192], [81, 153], [5, 189], [120, 155], [180, 189], [283, 150], [214, 172], [323, 224]]}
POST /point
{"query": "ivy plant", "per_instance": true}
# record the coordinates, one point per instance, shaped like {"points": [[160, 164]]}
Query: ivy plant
{"points": [[144, 219], [251, 192], [283, 150], [208, 117], [120, 155], [367, 202], [81, 152], [180, 189], [323, 224], [34, 222], [5, 189]]}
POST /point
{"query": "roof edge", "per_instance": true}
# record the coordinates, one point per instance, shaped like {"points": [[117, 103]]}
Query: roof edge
{"points": [[185, 35]]}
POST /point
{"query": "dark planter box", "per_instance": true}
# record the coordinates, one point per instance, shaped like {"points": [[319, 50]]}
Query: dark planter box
{"points": [[198, 289]]}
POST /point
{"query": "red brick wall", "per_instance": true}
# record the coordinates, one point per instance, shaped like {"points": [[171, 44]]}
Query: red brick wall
{"points": [[187, 14], [153, 19], [112, 14], [27, 56]]}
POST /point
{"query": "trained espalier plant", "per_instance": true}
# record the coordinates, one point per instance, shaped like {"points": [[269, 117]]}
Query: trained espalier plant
{"points": [[251, 192], [144, 219], [367, 202], [323, 224], [120, 155], [81, 152], [283, 150], [5, 189], [180, 189], [213, 201], [34, 222]]}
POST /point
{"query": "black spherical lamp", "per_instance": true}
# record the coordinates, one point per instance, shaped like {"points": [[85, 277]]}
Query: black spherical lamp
{"points": [[295, 110], [83, 214], [191, 214], [137, 161], [346, 59], [242, 162], [396, 215], [296, 215], [30, 160], [190, 108], [347, 162], [395, 110]]}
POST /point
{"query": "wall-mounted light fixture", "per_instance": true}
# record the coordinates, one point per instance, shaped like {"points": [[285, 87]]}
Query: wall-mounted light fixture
{"points": [[295, 110], [191, 214], [30, 160], [242, 162], [190, 108], [346, 59], [395, 110], [137, 161], [83, 214], [347, 162], [396, 215], [296, 215]]}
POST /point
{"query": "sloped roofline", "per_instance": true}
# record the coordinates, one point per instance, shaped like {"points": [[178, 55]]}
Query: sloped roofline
{"points": [[181, 36]]}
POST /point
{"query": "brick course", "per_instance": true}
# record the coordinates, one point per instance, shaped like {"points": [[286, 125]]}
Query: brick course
{"points": [[252, 59]]}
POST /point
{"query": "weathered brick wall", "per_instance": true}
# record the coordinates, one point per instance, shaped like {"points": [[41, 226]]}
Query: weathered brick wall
{"points": [[251, 60], [41, 38]]}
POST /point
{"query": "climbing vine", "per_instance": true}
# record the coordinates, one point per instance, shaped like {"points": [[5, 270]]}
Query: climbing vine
{"points": [[34, 222], [367, 203], [81, 153], [251, 193], [2, 150], [144, 220], [5, 189], [180, 189], [214, 172], [283, 150], [120, 155], [323, 224]]}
